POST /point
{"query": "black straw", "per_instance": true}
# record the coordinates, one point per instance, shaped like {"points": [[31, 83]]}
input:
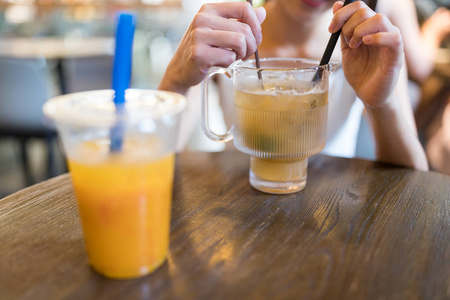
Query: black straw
{"points": [[330, 48], [258, 65]]}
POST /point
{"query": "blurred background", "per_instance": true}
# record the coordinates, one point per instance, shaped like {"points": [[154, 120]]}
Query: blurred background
{"points": [[53, 47]]}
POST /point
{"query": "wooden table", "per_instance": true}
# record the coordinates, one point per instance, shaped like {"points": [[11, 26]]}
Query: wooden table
{"points": [[360, 230]]}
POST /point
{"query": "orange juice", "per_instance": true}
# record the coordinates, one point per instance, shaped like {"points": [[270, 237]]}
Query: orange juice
{"points": [[124, 196], [125, 207]]}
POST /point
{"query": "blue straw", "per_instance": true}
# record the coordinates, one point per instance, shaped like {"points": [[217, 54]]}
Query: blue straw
{"points": [[121, 73]]}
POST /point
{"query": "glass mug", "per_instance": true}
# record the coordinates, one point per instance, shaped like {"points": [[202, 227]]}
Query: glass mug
{"points": [[124, 197], [280, 118]]}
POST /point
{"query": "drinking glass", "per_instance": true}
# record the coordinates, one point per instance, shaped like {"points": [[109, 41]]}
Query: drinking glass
{"points": [[280, 118]]}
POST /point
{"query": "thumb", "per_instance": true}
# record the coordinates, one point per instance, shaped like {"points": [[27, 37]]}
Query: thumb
{"points": [[261, 14]]}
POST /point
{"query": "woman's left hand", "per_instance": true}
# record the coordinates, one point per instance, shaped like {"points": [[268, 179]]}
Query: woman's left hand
{"points": [[372, 52]]}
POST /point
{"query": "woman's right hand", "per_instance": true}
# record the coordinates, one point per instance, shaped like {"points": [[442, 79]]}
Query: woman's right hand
{"points": [[219, 34]]}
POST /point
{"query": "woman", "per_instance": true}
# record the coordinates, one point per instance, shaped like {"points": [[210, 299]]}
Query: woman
{"points": [[371, 56]]}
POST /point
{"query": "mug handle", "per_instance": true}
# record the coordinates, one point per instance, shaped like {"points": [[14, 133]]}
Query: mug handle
{"points": [[205, 116]]}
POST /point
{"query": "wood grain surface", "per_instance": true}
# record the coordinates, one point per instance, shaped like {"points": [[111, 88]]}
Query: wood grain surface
{"points": [[359, 230]]}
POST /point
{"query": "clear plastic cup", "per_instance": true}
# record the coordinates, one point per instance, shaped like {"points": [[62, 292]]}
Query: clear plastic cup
{"points": [[124, 197]]}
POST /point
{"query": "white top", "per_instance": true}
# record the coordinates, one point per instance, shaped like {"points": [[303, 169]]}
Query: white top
{"points": [[344, 117]]}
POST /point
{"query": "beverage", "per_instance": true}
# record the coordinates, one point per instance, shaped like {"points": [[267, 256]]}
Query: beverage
{"points": [[280, 128], [124, 202], [281, 110], [124, 194], [280, 123]]}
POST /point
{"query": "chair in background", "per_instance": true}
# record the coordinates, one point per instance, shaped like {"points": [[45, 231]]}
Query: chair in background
{"points": [[87, 73], [23, 91]]}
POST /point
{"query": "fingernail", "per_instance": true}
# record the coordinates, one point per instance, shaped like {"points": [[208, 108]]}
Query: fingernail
{"points": [[352, 43], [367, 39], [346, 40], [261, 9], [332, 28]]}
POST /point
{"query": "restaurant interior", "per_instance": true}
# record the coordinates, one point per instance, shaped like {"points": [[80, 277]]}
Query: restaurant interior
{"points": [[137, 220], [69, 45], [50, 36]]}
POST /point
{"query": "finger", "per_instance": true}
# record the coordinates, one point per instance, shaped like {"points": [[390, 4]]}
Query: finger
{"points": [[207, 56], [231, 40], [342, 15], [391, 40], [261, 14], [238, 31], [337, 6], [242, 11], [356, 20], [377, 24]]}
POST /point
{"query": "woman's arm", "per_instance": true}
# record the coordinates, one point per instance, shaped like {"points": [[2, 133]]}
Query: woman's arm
{"points": [[372, 59], [395, 131], [438, 146]]}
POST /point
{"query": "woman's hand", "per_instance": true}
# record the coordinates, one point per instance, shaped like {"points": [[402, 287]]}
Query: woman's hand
{"points": [[219, 34], [372, 57], [372, 52]]}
